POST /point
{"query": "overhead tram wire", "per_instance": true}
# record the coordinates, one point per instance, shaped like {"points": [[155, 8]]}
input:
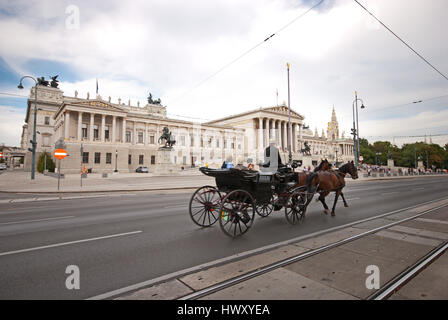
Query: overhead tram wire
{"points": [[407, 104], [246, 52], [418, 54]]}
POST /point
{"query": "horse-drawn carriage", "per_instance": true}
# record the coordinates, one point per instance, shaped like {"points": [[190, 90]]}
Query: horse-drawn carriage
{"points": [[240, 193]]}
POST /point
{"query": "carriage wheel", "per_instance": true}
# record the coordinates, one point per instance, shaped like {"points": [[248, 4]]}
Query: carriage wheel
{"points": [[263, 210], [204, 206], [237, 213], [296, 206]]}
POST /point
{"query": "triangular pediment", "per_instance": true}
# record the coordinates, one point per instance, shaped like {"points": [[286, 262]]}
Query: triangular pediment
{"points": [[283, 110], [98, 104]]}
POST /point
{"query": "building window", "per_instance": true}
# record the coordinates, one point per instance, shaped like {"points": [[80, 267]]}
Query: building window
{"points": [[95, 132], [129, 159], [47, 120], [128, 136], [153, 159], [106, 133], [202, 142], [97, 157], [140, 159], [152, 140], [192, 141], [108, 158], [140, 137], [233, 145], [182, 141], [225, 144], [217, 143], [184, 160], [85, 157], [84, 130]]}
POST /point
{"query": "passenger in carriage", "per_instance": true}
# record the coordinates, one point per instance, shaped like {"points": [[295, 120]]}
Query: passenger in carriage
{"points": [[272, 159]]}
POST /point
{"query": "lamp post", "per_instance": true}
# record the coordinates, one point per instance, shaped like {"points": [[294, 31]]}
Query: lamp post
{"points": [[116, 157], [336, 155], [355, 130], [289, 122], [33, 142]]}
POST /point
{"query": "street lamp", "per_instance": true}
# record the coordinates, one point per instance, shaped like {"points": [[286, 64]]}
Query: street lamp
{"points": [[116, 156], [33, 142], [336, 155], [289, 122], [355, 130]]}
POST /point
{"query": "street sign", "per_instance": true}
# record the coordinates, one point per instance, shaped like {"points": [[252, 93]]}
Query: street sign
{"points": [[1, 154], [60, 153]]}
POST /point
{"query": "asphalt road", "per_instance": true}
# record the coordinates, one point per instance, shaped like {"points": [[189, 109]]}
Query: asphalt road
{"points": [[118, 240]]}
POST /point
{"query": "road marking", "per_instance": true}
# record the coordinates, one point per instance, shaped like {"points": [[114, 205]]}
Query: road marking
{"points": [[432, 221], [37, 220], [387, 193], [245, 254], [67, 243]]}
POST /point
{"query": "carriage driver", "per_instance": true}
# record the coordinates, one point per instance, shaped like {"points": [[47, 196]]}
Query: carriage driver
{"points": [[272, 159]]}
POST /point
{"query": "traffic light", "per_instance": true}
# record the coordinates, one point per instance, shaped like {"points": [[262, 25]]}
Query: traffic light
{"points": [[353, 131]]}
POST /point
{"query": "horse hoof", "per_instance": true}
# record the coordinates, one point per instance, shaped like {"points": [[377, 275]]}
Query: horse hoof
{"points": [[333, 214], [326, 211], [346, 205]]}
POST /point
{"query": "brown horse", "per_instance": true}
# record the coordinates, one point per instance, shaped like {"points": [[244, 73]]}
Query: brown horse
{"points": [[332, 180], [302, 178]]}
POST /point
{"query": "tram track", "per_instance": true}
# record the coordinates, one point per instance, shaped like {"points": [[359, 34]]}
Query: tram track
{"points": [[395, 284], [382, 293]]}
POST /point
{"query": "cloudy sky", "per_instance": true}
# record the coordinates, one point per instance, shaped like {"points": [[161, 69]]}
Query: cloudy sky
{"points": [[168, 48]]}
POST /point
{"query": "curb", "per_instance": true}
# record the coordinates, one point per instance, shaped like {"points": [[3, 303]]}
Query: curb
{"points": [[193, 187]]}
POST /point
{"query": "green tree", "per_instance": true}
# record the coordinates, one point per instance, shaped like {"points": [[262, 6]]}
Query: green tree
{"points": [[50, 163]]}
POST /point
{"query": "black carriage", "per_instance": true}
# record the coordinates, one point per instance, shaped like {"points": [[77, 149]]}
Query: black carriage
{"points": [[240, 193]]}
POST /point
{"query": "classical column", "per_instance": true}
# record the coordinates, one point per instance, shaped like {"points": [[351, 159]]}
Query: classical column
{"points": [[114, 126], [79, 125], [123, 130], [146, 134], [92, 122], [103, 124], [260, 134], [134, 138], [294, 137], [267, 133], [285, 136], [67, 125]]}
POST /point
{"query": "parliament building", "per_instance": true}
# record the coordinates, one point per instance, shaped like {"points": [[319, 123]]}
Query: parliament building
{"points": [[104, 136]]}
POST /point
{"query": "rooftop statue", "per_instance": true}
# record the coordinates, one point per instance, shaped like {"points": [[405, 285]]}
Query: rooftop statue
{"points": [[54, 83], [41, 81]]}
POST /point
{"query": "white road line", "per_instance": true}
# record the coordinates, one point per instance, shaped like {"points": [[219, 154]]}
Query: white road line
{"points": [[248, 253], [67, 243], [387, 193], [37, 220]]}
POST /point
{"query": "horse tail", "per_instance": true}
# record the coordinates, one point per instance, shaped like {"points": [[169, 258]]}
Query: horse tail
{"points": [[309, 182]]}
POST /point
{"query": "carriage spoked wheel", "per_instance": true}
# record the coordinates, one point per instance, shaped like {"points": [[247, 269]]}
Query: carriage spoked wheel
{"points": [[265, 209], [296, 205], [204, 206], [236, 213]]}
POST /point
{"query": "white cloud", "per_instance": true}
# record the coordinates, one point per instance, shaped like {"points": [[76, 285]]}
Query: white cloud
{"points": [[168, 47], [12, 120]]}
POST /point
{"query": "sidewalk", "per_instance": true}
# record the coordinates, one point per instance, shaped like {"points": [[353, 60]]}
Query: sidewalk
{"points": [[20, 182]]}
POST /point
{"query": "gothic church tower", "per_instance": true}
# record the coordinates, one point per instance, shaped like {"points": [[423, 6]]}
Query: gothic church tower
{"points": [[333, 127]]}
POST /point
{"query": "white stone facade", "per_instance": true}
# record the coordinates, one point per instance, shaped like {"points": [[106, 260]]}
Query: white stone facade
{"points": [[124, 137]]}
